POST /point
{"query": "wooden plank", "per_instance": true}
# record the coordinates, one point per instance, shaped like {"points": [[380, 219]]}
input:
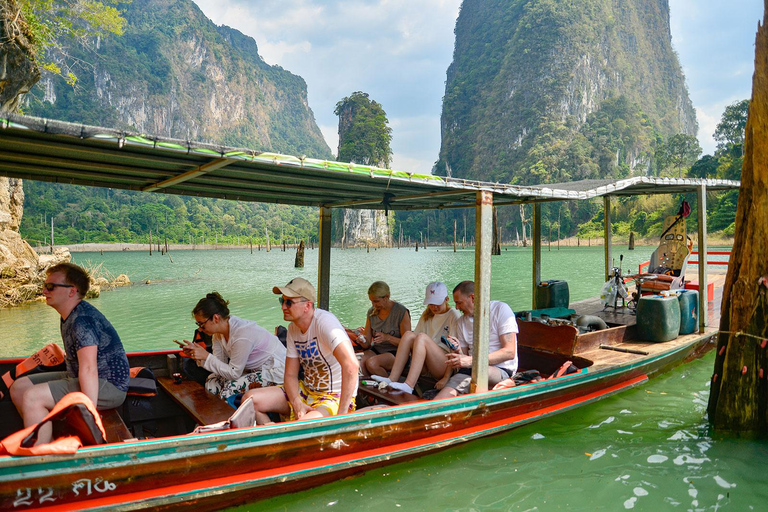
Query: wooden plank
{"points": [[114, 426], [386, 396], [204, 407]]}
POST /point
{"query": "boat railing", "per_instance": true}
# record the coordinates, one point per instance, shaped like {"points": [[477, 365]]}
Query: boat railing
{"points": [[643, 267]]}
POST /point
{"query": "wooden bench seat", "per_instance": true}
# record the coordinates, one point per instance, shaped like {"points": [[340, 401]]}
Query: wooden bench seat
{"points": [[114, 426], [386, 396], [204, 407]]}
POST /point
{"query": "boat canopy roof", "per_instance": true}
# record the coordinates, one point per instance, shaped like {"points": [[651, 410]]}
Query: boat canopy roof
{"points": [[48, 150]]}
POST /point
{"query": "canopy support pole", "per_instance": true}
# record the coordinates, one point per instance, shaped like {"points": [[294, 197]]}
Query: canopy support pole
{"points": [[703, 299], [607, 237], [481, 327], [536, 245], [324, 259]]}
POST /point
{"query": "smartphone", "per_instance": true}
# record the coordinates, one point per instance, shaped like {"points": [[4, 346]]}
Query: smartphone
{"points": [[179, 343], [449, 344]]}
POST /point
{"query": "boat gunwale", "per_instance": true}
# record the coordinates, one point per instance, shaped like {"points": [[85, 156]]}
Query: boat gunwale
{"points": [[285, 432]]}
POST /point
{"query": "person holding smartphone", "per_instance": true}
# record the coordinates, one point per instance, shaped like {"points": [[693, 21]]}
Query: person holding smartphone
{"points": [[243, 352], [385, 323], [424, 345]]}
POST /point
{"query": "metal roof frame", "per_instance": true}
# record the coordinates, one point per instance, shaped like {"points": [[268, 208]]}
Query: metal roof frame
{"points": [[56, 151]]}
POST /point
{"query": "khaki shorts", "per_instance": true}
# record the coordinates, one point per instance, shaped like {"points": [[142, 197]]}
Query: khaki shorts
{"points": [[60, 384]]}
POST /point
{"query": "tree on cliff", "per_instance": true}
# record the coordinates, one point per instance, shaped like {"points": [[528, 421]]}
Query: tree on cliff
{"points": [[738, 399], [364, 138], [364, 132], [31, 29], [730, 129]]}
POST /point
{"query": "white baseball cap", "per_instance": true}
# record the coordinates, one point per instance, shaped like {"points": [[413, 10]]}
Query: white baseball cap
{"points": [[435, 293]]}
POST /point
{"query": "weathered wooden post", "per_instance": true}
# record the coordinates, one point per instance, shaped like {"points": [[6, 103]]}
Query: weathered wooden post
{"points": [[631, 241], [738, 398], [299, 262], [454, 235], [150, 242], [496, 246]]}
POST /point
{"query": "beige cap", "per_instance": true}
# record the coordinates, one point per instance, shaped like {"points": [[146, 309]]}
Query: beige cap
{"points": [[297, 287]]}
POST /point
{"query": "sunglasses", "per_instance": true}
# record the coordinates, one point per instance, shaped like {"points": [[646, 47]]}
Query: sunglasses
{"points": [[50, 286], [290, 302], [201, 324]]}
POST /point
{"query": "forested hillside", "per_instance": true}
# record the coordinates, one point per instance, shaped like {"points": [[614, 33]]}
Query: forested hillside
{"points": [[173, 73]]}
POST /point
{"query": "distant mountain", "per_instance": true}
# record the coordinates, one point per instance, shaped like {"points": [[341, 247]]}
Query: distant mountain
{"points": [[553, 90], [173, 73], [176, 74]]}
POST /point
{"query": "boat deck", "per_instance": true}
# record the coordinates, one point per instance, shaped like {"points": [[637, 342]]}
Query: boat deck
{"points": [[626, 316], [630, 349]]}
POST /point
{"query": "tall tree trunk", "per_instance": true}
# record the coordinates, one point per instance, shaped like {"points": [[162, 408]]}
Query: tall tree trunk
{"points": [[738, 400]]}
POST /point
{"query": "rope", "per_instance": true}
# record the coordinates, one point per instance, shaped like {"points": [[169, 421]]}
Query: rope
{"points": [[739, 333]]}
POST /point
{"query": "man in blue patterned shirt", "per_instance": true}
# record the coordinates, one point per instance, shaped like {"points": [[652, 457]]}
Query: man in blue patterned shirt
{"points": [[96, 361]]}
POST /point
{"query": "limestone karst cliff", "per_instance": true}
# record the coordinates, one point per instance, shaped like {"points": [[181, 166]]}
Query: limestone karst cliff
{"points": [[550, 90], [175, 73]]}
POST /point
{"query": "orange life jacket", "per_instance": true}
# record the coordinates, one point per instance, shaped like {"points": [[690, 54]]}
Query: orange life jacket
{"points": [[76, 413], [47, 357]]}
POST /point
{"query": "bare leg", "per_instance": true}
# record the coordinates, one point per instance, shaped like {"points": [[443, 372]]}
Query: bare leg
{"points": [[425, 350], [401, 357], [447, 392], [380, 364], [364, 360], [36, 404], [266, 400], [18, 388]]}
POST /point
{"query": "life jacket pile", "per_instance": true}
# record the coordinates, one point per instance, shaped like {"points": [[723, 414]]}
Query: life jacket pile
{"points": [[75, 421]]}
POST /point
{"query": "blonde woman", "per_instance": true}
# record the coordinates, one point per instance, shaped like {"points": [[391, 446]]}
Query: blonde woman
{"points": [[423, 344], [385, 323], [243, 352]]}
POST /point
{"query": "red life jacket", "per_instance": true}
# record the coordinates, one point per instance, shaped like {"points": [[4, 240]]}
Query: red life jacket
{"points": [[75, 414], [44, 359]]}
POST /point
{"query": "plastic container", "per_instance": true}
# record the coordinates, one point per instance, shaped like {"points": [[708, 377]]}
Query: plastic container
{"points": [[658, 318], [689, 311], [552, 294]]}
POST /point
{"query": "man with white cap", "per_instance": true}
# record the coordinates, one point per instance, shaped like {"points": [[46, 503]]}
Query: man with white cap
{"points": [[424, 345], [318, 343]]}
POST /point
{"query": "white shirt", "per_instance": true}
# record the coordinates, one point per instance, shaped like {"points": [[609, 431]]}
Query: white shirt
{"points": [[314, 349], [249, 347], [443, 324], [502, 321]]}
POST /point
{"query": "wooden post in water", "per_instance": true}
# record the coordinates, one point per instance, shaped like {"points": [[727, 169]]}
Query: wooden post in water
{"points": [[250, 240], [738, 397], [299, 261], [266, 229], [150, 242], [631, 241], [495, 245], [549, 239], [454, 235]]}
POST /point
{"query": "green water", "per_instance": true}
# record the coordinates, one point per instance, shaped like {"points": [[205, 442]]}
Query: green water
{"points": [[645, 449], [149, 316]]}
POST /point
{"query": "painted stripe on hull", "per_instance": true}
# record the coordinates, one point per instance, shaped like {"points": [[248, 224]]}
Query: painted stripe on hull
{"points": [[178, 494]]}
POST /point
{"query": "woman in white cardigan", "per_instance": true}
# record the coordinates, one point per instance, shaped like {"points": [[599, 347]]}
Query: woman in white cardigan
{"points": [[243, 352]]}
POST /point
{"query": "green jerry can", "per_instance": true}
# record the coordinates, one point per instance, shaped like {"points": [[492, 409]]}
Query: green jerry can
{"points": [[658, 318], [689, 311], [552, 294]]}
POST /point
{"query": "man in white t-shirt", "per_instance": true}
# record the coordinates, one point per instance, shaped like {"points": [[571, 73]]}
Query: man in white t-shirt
{"points": [[319, 344], [502, 343]]}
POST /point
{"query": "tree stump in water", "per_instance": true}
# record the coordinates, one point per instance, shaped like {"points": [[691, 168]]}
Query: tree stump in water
{"points": [[299, 262], [738, 400]]}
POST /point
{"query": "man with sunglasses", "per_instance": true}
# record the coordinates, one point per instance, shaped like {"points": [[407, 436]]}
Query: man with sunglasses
{"points": [[317, 343], [95, 357]]}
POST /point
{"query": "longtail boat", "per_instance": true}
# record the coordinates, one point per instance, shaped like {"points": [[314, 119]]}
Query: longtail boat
{"points": [[154, 460]]}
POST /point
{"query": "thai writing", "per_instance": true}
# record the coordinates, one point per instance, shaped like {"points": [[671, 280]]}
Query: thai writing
{"points": [[26, 497]]}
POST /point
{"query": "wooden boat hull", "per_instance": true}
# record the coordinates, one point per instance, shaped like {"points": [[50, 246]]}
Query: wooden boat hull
{"points": [[215, 470]]}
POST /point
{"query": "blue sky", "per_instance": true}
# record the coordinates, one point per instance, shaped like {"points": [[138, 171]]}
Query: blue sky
{"points": [[398, 52]]}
